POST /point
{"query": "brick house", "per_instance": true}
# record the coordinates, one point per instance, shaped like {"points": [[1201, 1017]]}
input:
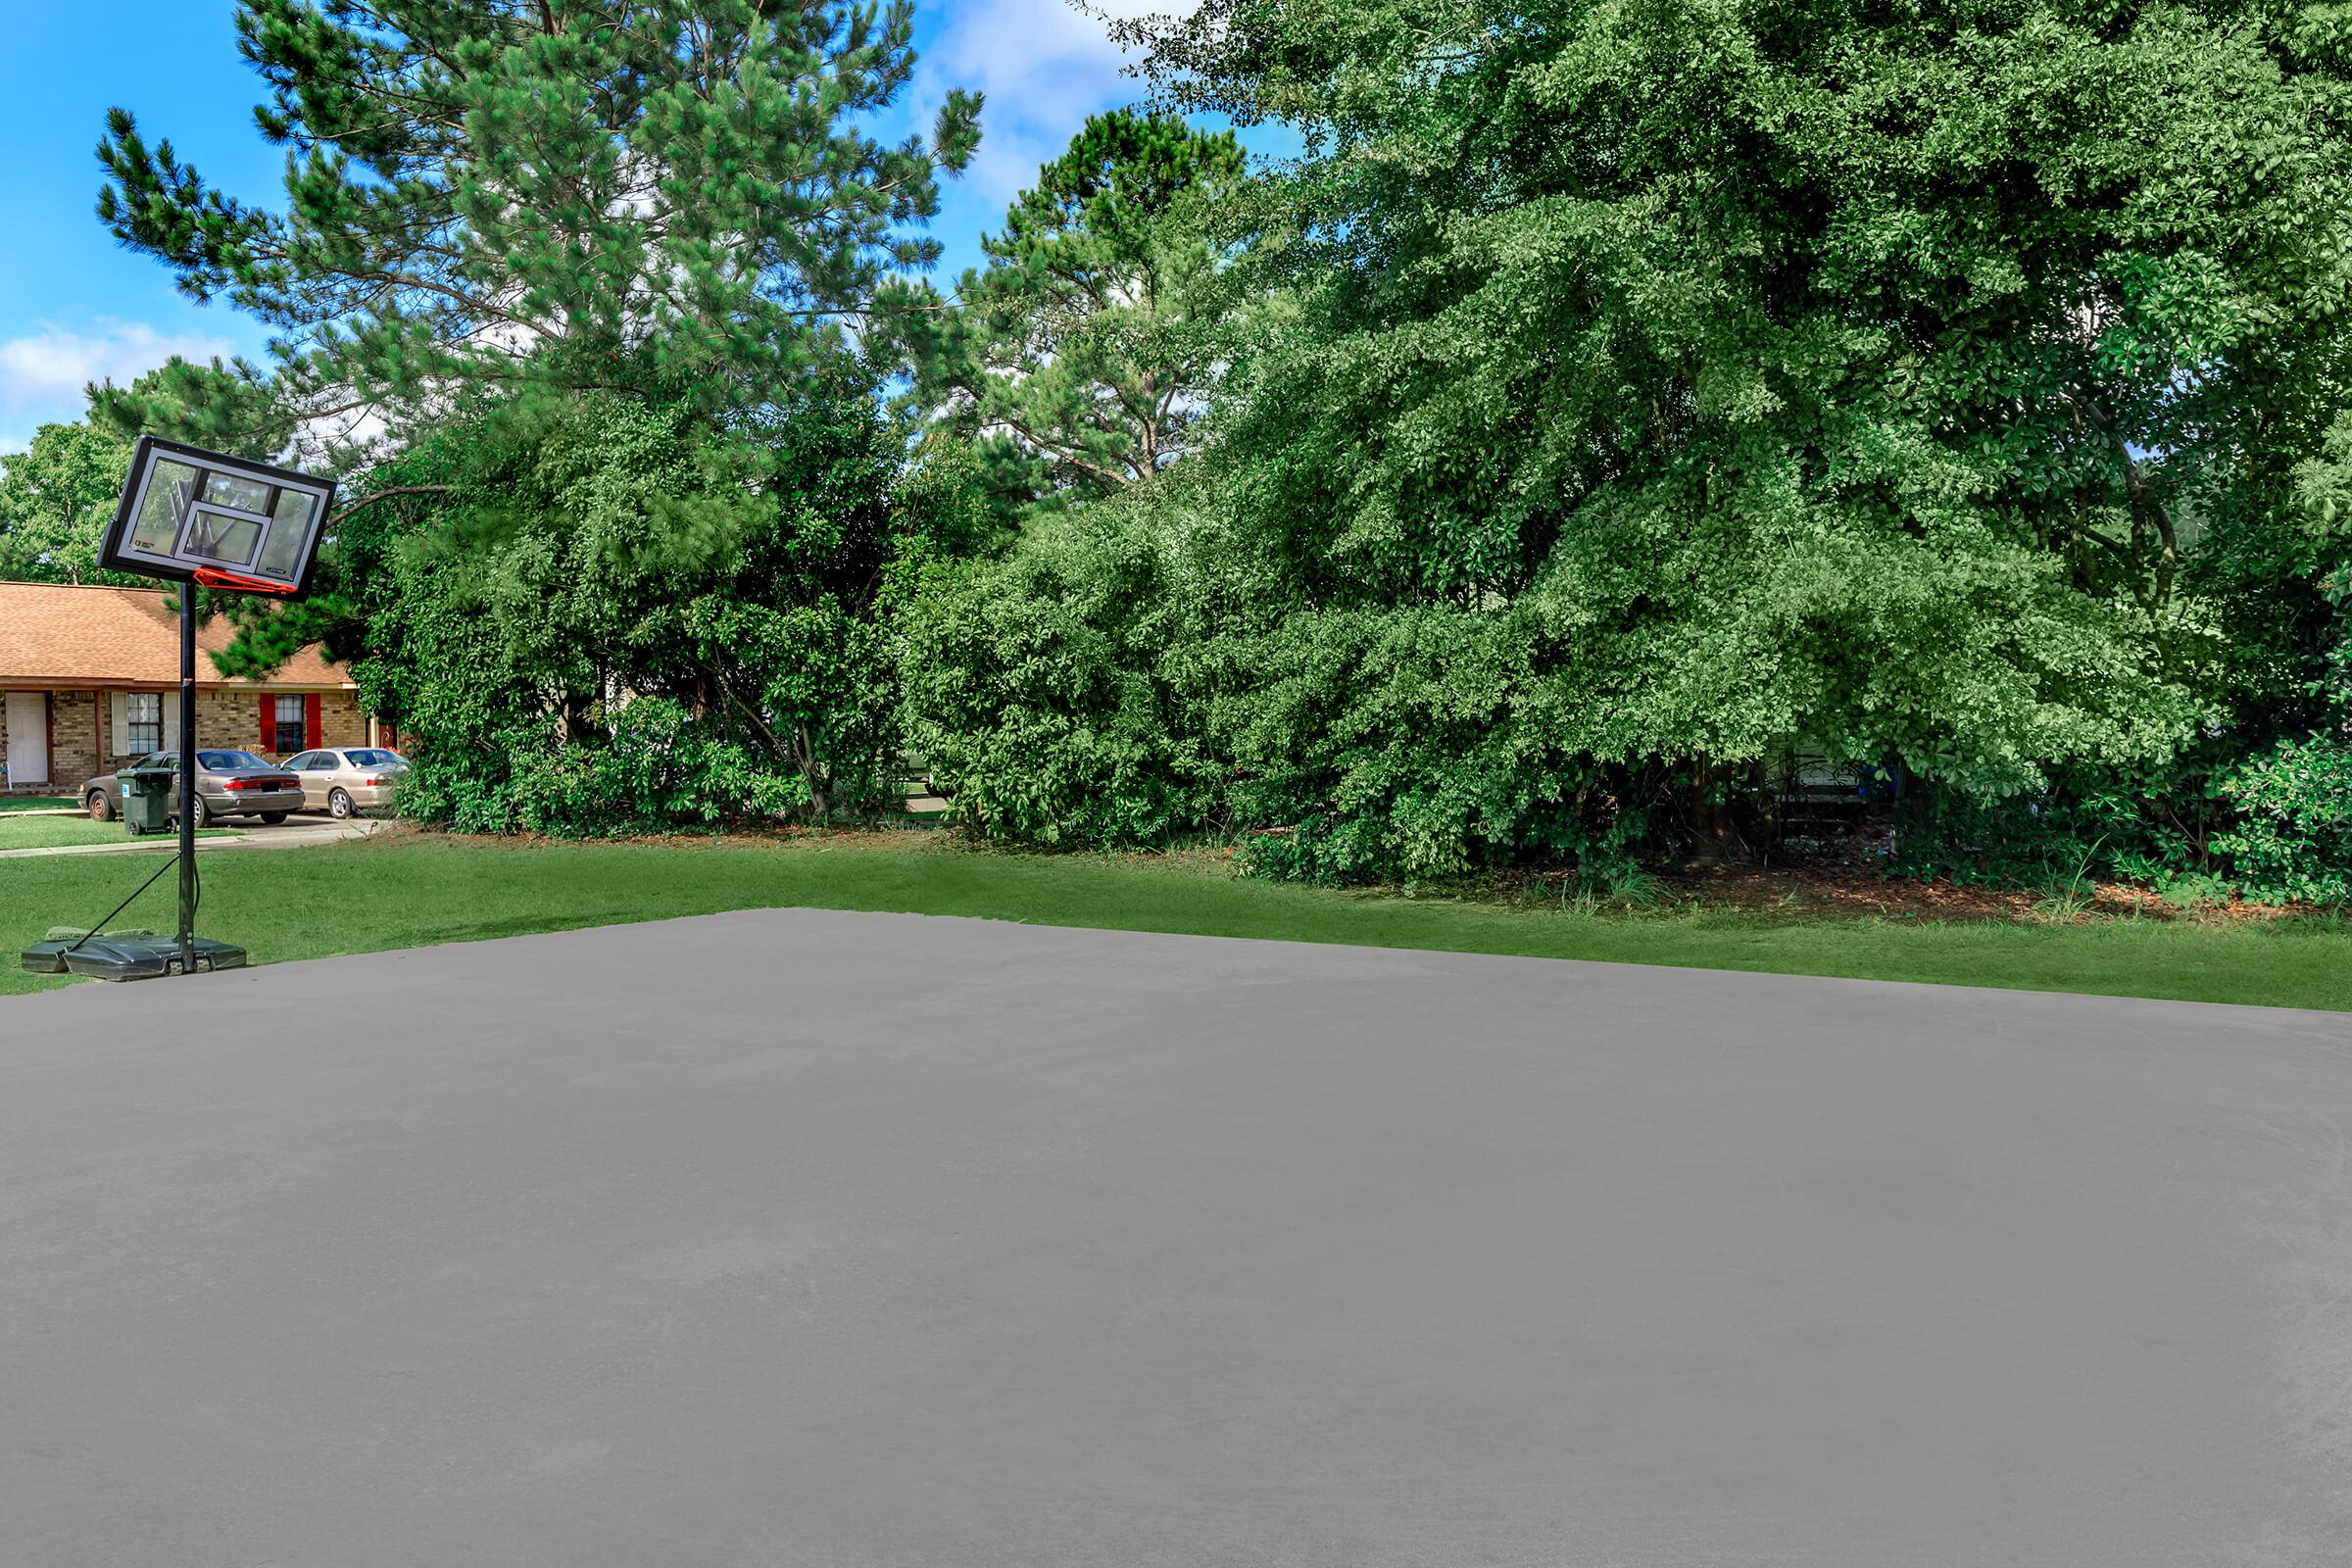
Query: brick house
{"points": [[90, 679]]}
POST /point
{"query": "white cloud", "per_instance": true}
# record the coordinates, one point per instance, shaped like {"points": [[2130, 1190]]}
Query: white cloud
{"points": [[1045, 66], [42, 372]]}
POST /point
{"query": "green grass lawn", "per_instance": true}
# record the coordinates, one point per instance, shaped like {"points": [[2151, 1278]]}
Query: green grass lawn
{"points": [[21, 832], [404, 891], [35, 803]]}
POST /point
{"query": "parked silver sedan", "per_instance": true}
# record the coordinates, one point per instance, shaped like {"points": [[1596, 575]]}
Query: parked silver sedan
{"points": [[345, 780], [227, 784]]}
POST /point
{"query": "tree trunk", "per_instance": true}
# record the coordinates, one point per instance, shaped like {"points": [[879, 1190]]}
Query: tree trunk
{"points": [[577, 726], [803, 754]]}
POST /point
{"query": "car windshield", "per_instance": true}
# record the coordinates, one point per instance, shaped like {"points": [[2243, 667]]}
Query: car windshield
{"points": [[375, 759], [217, 760]]}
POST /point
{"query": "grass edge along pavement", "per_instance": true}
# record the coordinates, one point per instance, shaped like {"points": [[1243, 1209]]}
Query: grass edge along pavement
{"points": [[411, 889], [25, 831]]}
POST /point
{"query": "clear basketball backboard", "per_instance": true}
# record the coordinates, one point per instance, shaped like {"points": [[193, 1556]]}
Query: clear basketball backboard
{"points": [[186, 509]]}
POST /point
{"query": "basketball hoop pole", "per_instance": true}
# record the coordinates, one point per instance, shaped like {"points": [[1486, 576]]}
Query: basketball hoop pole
{"points": [[187, 779]]}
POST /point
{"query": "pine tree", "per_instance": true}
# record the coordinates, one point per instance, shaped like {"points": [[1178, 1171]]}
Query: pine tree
{"points": [[512, 198], [1080, 355], [594, 268]]}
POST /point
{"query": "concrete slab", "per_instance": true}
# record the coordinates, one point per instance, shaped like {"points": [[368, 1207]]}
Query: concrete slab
{"points": [[807, 1238]]}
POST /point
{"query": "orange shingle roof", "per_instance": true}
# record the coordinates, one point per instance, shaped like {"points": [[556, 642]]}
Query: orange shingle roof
{"points": [[58, 634]]}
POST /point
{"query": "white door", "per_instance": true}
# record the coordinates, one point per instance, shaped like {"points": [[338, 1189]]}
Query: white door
{"points": [[28, 738]]}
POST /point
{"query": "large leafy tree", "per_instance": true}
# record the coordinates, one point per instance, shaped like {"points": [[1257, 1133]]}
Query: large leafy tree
{"points": [[1079, 357], [1798, 368], [56, 499], [1660, 386], [1947, 272], [670, 198]]}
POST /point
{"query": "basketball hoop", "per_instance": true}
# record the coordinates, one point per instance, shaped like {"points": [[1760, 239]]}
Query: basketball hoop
{"points": [[189, 515]]}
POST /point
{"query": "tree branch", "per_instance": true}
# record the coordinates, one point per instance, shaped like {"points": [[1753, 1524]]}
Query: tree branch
{"points": [[386, 495]]}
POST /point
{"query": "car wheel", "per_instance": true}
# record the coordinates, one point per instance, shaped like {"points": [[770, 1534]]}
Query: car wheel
{"points": [[339, 804], [275, 817], [102, 807], [204, 814]]}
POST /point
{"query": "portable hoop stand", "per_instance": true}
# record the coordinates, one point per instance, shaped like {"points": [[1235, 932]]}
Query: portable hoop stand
{"points": [[184, 510]]}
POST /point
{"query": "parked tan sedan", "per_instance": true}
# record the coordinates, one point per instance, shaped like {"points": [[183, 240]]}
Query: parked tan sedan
{"points": [[345, 780], [227, 784]]}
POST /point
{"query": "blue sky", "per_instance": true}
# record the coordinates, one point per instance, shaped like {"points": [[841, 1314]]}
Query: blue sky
{"points": [[76, 307]]}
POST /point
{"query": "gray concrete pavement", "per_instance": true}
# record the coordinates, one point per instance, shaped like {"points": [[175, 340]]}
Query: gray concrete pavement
{"points": [[295, 833], [841, 1239]]}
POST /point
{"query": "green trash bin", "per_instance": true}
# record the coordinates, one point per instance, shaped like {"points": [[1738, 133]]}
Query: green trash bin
{"points": [[146, 798]]}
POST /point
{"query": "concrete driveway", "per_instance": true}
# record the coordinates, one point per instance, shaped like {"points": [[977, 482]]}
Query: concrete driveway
{"points": [[295, 833], [807, 1238]]}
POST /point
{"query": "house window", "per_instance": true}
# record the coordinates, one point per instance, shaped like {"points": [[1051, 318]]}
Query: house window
{"points": [[144, 715], [287, 734]]}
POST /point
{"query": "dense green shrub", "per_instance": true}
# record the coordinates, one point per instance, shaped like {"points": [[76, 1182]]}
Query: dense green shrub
{"points": [[2275, 826], [622, 623], [1120, 679], [602, 618], [2294, 834], [1044, 693], [661, 770], [1142, 671]]}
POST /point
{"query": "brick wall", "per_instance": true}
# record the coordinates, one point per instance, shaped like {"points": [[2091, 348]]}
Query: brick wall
{"points": [[340, 720], [73, 740], [229, 718]]}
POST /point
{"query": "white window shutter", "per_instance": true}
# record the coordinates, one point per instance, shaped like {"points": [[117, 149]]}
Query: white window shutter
{"points": [[171, 721], [121, 706]]}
